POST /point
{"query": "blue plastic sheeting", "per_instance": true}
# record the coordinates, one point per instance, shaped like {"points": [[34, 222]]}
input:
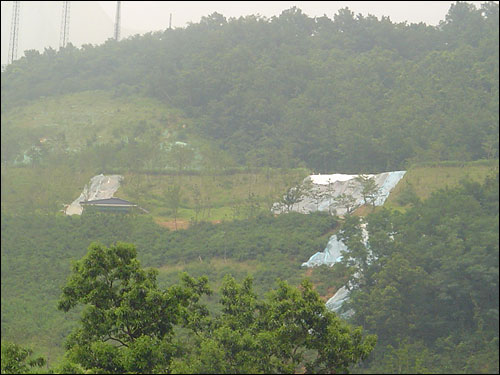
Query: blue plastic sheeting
{"points": [[342, 184], [331, 255], [335, 303], [389, 183], [333, 251]]}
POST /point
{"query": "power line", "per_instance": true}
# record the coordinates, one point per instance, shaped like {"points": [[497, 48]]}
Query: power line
{"points": [[117, 21], [14, 32], [64, 25]]}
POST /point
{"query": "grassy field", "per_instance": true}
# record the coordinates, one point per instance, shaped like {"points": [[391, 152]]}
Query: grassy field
{"points": [[26, 189], [427, 178], [92, 116], [203, 197], [206, 197], [210, 197]]}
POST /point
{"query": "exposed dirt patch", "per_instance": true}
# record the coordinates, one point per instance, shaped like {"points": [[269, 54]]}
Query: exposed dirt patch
{"points": [[181, 224], [216, 263], [329, 293], [363, 210]]}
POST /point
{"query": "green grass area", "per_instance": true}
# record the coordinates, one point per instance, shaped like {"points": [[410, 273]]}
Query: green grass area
{"points": [[426, 178], [93, 117], [26, 189], [210, 197], [204, 197]]}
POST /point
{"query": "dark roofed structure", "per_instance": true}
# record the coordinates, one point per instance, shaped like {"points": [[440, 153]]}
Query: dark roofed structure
{"points": [[109, 204], [109, 201]]}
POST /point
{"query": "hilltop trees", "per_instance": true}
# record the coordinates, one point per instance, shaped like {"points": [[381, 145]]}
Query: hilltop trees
{"points": [[349, 92], [129, 324]]}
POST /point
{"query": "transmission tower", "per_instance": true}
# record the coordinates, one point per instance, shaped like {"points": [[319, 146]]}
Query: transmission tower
{"points": [[14, 33], [64, 25], [117, 23]]}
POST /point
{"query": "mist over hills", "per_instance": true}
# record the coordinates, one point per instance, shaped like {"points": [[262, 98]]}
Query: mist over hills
{"points": [[40, 25], [351, 94], [210, 125]]}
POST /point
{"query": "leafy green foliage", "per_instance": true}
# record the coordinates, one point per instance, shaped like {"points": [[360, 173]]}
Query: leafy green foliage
{"points": [[125, 306], [16, 359], [290, 330], [427, 280], [35, 266], [128, 322]]}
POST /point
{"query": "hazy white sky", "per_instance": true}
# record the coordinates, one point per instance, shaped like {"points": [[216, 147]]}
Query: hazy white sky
{"points": [[154, 15]]}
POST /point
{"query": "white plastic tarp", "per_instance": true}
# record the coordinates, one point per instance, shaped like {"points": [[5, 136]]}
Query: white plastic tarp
{"points": [[100, 187], [332, 186], [331, 255]]}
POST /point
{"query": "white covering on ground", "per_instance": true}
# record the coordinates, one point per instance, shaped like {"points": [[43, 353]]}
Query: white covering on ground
{"points": [[335, 303], [331, 255], [333, 251], [100, 187], [333, 185]]}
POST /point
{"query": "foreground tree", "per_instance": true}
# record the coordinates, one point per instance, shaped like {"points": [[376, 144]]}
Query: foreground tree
{"points": [[16, 359], [290, 330], [129, 324]]}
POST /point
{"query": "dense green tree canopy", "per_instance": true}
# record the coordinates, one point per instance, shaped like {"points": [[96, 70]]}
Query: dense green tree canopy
{"points": [[128, 324], [427, 280], [352, 92]]}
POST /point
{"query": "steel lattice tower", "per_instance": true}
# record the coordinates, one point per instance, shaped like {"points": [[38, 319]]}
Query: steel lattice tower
{"points": [[117, 23], [64, 25], [14, 33]]}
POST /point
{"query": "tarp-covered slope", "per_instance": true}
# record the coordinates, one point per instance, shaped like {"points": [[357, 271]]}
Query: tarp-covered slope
{"points": [[100, 187], [332, 186], [342, 184]]}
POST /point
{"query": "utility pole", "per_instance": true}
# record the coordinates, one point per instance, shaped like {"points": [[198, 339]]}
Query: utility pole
{"points": [[170, 22], [14, 33], [64, 25], [117, 21]]}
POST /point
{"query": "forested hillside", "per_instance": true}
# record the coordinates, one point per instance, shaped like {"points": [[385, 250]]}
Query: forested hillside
{"points": [[209, 125], [426, 282], [351, 92], [37, 250]]}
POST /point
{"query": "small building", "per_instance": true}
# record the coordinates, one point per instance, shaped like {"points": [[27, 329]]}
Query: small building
{"points": [[109, 205]]}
